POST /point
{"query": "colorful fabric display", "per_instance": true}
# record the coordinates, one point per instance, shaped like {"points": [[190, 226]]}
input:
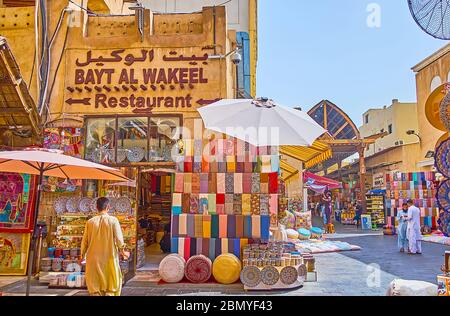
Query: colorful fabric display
{"points": [[194, 204], [175, 226], [179, 183], [240, 165], [206, 222], [186, 203], [248, 165], [264, 204], [256, 183], [229, 204], [174, 245], [273, 183], [247, 227], [266, 164], [177, 203], [231, 226], [187, 183], [256, 227], [212, 248], [183, 225], [264, 186], [205, 165], [239, 226], [223, 226], [265, 228], [181, 247], [222, 166], [215, 226], [237, 248], [246, 204], [199, 246], [198, 226], [221, 187], [205, 247], [255, 204], [238, 183], [275, 163], [229, 183], [195, 183], [187, 248], [212, 209], [218, 247], [197, 165], [231, 164], [224, 245], [193, 247], [273, 208], [247, 183], [188, 164], [212, 183], [204, 183], [191, 226], [213, 167], [204, 204]]}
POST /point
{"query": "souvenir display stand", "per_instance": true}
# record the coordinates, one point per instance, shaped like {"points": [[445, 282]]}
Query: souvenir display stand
{"points": [[376, 208]]}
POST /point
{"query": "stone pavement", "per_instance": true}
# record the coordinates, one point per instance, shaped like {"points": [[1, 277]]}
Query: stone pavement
{"points": [[365, 272]]}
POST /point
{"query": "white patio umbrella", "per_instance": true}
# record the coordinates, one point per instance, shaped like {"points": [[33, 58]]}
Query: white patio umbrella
{"points": [[42, 163], [261, 122]]}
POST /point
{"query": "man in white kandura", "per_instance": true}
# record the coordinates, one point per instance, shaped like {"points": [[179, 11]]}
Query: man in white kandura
{"points": [[413, 230]]}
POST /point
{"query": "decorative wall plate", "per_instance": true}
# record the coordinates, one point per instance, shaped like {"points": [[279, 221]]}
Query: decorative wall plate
{"points": [[445, 111], [60, 205], [289, 275], [85, 205], [94, 205], [251, 276], [443, 196], [198, 269], [73, 204], [270, 275], [302, 271], [123, 205], [121, 155], [443, 158], [136, 154]]}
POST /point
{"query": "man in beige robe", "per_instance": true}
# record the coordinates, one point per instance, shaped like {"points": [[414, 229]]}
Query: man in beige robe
{"points": [[102, 242]]}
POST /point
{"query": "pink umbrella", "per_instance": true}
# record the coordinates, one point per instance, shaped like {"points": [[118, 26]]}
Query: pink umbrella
{"points": [[42, 163]]}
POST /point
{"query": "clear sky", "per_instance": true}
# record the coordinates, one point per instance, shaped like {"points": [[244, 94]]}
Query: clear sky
{"points": [[310, 50]]}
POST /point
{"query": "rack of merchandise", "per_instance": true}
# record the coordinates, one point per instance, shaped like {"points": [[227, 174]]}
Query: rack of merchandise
{"points": [[376, 207]]}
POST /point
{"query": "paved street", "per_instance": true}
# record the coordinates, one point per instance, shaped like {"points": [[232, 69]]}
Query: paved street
{"points": [[347, 273]]}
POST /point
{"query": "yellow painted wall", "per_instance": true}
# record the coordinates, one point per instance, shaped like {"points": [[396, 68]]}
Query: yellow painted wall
{"points": [[424, 77]]}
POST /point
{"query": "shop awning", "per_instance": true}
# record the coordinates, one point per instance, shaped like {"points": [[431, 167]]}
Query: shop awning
{"points": [[310, 156], [287, 171], [318, 181], [17, 108]]}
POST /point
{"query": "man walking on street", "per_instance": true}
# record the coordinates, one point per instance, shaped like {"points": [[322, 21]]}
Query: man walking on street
{"points": [[413, 230], [101, 244]]}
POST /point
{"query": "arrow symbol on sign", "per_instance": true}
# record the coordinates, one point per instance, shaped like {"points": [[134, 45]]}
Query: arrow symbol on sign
{"points": [[207, 102], [85, 101]]}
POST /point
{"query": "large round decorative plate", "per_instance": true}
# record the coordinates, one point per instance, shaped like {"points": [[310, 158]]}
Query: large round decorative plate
{"points": [[443, 196], [270, 275], [443, 158], [73, 204], [60, 204], [251, 276], [198, 269], [289, 275], [171, 268], [136, 154], [94, 205], [123, 205], [85, 205], [227, 269], [302, 271], [445, 111], [121, 155], [112, 204], [433, 106]]}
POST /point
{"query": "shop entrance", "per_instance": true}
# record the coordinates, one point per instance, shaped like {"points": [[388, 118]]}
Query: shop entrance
{"points": [[154, 213]]}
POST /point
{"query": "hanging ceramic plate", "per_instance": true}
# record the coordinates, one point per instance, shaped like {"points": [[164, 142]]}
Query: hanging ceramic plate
{"points": [[85, 205], [443, 158], [443, 196], [289, 275], [433, 106], [121, 155], [270, 275], [251, 276], [93, 205], [302, 272], [445, 111], [112, 204], [136, 154], [73, 204], [60, 205], [123, 205]]}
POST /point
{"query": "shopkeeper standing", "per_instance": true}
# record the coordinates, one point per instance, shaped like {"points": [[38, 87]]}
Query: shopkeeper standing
{"points": [[101, 244]]}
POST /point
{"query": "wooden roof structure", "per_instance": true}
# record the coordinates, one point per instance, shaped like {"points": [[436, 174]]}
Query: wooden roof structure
{"points": [[17, 108]]}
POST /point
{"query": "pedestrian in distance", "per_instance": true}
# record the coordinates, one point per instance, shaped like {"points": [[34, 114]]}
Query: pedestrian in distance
{"points": [[359, 211], [402, 217], [413, 230], [101, 245]]}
